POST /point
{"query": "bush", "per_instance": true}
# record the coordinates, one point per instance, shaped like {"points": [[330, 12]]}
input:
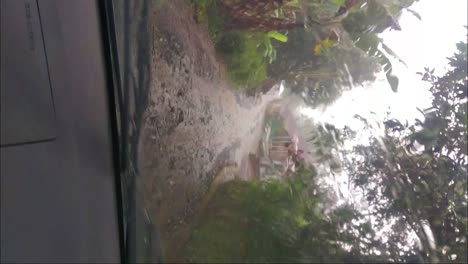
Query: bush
{"points": [[206, 11], [248, 222], [242, 52], [230, 44], [258, 221], [243, 56]]}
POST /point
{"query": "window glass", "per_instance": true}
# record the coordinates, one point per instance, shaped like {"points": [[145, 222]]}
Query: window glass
{"points": [[294, 130]]}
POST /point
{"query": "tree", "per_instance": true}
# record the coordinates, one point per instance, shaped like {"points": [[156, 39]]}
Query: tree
{"points": [[258, 15], [417, 174], [277, 221], [366, 23], [352, 58]]}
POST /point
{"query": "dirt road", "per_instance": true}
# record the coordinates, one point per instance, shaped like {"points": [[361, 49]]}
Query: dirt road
{"points": [[195, 122]]}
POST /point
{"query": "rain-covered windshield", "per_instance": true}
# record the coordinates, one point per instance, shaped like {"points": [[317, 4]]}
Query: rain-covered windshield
{"points": [[293, 130]]}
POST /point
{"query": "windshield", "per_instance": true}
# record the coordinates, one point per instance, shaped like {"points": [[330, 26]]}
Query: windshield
{"points": [[293, 130]]}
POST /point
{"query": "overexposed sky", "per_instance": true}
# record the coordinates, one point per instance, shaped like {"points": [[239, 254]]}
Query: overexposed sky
{"points": [[425, 43], [428, 42]]}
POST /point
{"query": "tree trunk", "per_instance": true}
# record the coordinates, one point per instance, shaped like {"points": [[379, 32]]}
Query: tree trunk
{"points": [[254, 7], [256, 15], [263, 24]]}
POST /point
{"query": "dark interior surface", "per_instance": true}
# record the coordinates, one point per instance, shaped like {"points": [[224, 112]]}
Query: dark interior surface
{"points": [[58, 200], [26, 101]]}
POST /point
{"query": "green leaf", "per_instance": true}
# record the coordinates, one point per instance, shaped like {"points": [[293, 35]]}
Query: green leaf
{"points": [[278, 36], [338, 2], [294, 3], [368, 42], [416, 14], [393, 54], [393, 81], [459, 188]]}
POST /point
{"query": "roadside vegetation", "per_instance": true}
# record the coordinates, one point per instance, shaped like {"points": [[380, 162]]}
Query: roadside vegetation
{"points": [[410, 180], [314, 46], [405, 190], [246, 54]]}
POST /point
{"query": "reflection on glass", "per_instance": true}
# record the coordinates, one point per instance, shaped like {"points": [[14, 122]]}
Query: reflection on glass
{"points": [[294, 130]]}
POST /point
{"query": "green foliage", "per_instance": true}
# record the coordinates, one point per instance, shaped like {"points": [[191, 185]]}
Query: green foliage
{"points": [[277, 126], [244, 57], [231, 44], [336, 72], [245, 54], [424, 187], [250, 222], [293, 3], [374, 47], [206, 11], [278, 36], [375, 16], [252, 56], [270, 51], [364, 26], [414, 13], [276, 221], [201, 15], [338, 2]]}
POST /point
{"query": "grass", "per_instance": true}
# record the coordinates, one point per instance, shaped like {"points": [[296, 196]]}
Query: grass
{"points": [[241, 52]]}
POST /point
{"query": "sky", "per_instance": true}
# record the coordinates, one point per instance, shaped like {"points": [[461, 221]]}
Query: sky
{"points": [[420, 43]]}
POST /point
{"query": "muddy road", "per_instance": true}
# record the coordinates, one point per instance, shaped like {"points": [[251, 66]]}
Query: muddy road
{"points": [[186, 120]]}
